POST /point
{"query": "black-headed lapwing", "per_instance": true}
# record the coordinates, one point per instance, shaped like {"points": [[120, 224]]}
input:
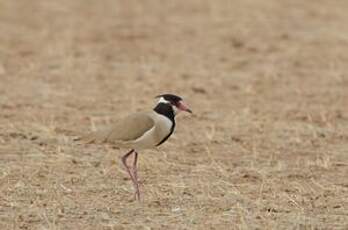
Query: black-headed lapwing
{"points": [[141, 130]]}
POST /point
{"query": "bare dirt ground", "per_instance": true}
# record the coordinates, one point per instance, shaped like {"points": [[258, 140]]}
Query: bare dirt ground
{"points": [[266, 148]]}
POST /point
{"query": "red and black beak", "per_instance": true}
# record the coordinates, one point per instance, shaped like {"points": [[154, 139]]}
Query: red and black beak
{"points": [[183, 107]]}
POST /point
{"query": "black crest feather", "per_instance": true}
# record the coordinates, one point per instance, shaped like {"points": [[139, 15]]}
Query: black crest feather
{"points": [[170, 97]]}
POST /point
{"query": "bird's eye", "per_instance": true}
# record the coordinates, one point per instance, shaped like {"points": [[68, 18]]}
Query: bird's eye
{"points": [[175, 103]]}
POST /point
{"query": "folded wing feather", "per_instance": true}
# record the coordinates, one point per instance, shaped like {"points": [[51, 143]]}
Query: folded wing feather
{"points": [[127, 129]]}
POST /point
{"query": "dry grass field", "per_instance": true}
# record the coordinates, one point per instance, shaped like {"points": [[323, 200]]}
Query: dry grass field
{"points": [[266, 147]]}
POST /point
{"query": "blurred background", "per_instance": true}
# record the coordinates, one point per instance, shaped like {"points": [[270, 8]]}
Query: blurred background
{"points": [[265, 149]]}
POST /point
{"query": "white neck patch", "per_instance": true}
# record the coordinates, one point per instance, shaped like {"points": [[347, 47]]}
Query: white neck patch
{"points": [[162, 100]]}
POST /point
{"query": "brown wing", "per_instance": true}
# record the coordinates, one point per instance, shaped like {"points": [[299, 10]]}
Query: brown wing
{"points": [[127, 129]]}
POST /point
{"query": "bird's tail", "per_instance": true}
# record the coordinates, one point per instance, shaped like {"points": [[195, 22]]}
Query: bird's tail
{"points": [[96, 137]]}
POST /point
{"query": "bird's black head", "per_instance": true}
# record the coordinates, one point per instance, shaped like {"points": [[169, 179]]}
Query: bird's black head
{"points": [[170, 98], [175, 101]]}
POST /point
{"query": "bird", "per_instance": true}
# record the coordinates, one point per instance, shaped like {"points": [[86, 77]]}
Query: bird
{"points": [[141, 130]]}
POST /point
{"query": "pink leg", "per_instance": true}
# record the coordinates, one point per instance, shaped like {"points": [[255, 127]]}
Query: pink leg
{"points": [[133, 175]]}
